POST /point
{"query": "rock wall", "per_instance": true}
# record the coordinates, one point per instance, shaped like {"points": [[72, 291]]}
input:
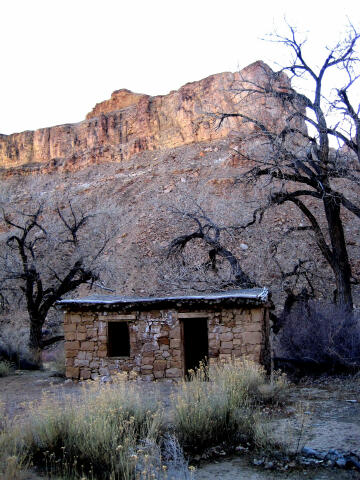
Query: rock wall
{"points": [[156, 346], [130, 123]]}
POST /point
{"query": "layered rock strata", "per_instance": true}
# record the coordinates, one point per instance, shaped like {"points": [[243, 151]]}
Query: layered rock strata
{"points": [[129, 123]]}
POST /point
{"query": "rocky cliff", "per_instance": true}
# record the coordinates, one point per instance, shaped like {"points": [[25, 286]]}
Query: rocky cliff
{"points": [[135, 157], [130, 123]]}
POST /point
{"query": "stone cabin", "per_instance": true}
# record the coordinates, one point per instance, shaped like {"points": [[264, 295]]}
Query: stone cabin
{"points": [[162, 338]]}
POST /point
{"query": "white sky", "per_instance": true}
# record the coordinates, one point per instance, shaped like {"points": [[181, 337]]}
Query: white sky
{"points": [[60, 57]]}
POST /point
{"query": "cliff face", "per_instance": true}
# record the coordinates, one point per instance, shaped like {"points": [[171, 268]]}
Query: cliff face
{"points": [[135, 157], [130, 123]]}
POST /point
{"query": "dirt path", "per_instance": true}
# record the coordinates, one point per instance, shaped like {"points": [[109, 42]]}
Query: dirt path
{"points": [[17, 391]]}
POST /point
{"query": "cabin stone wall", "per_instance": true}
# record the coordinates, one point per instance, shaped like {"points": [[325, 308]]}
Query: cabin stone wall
{"points": [[156, 341]]}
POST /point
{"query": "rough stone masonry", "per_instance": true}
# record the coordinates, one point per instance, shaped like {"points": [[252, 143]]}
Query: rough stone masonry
{"points": [[161, 338]]}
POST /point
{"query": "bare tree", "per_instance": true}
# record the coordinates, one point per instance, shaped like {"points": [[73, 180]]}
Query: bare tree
{"points": [[298, 164], [211, 237], [46, 256]]}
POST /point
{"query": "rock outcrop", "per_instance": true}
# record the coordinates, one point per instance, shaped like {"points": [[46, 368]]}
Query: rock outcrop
{"points": [[119, 100], [130, 123]]}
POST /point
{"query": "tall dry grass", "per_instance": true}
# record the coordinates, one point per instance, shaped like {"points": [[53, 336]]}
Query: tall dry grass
{"points": [[13, 454], [118, 432], [223, 404], [98, 434]]}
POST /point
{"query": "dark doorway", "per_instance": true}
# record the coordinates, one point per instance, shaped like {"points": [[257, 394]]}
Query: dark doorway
{"points": [[118, 339], [196, 345]]}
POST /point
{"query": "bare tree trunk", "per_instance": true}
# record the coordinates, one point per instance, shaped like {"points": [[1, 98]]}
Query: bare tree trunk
{"points": [[36, 325], [343, 289], [340, 264]]}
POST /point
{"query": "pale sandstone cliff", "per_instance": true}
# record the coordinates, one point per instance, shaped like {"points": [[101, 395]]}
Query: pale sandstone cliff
{"points": [[130, 123]]}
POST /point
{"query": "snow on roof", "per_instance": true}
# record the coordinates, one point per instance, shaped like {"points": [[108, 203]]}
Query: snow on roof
{"points": [[256, 294]]}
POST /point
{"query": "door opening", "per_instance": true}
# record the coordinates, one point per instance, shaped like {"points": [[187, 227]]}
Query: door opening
{"points": [[195, 341]]}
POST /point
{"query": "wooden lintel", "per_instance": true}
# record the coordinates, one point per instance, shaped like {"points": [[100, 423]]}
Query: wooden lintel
{"points": [[116, 318], [193, 315]]}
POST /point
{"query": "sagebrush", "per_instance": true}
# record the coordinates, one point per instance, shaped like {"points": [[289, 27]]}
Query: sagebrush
{"points": [[321, 337]]}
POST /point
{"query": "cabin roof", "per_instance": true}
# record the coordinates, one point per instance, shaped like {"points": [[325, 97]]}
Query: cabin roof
{"points": [[240, 297]]}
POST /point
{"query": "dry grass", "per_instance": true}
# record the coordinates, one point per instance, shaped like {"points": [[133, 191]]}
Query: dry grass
{"points": [[57, 365], [13, 344], [98, 435], [13, 457], [6, 368], [246, 382], [222, 404], [116, 432]]}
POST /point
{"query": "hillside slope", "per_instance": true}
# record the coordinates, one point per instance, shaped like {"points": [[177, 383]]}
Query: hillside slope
{"points": [[137, 157]]}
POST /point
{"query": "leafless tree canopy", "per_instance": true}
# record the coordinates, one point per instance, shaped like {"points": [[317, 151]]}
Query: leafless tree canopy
{"points": [[297, 162], [46, 255], [209, 273]]}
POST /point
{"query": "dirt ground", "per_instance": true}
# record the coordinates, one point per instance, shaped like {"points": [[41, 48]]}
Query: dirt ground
{"points": [[239, 468], [321, 415], [327, 414]]}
